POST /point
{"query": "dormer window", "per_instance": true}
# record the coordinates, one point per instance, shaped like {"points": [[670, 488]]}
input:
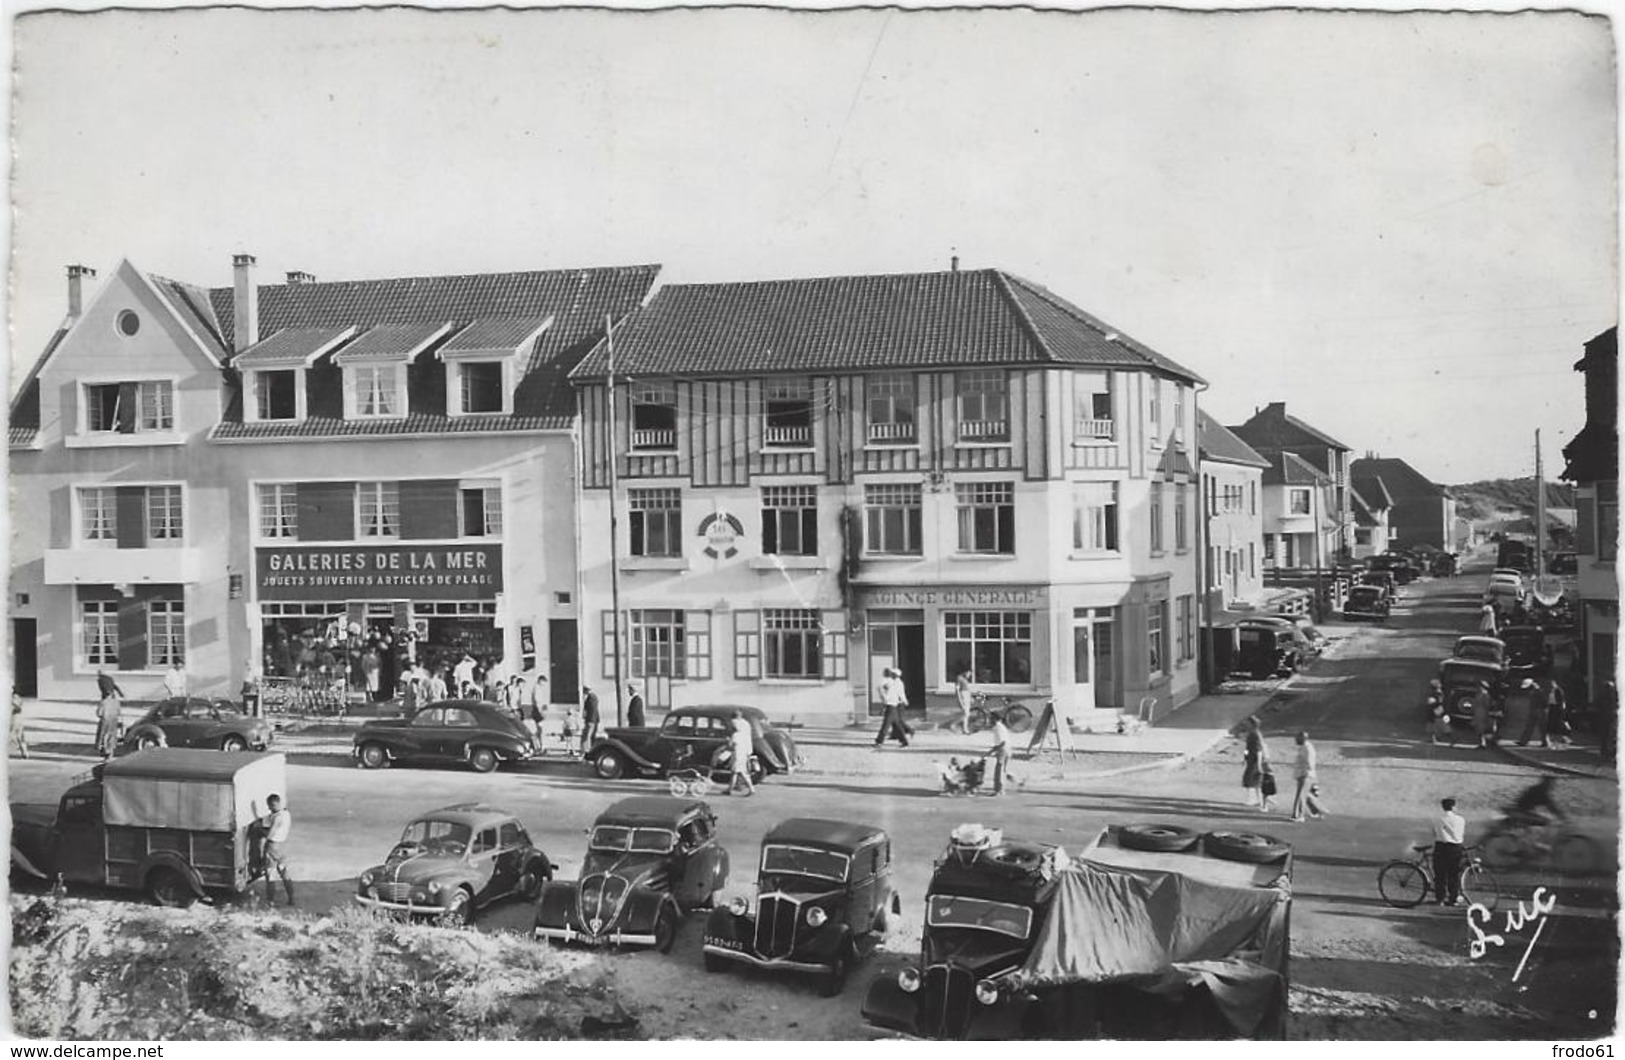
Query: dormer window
{"points": [[274, 371], [789, 414], [654, 416], [375, 391], [483, 361], [277, 395]]}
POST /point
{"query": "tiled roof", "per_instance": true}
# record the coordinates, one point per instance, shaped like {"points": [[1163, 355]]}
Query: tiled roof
{"points": [[417, 423], [290, 347], [857, 323], [577, 301], [392, 342], [193, 305], [1401, 480], [1217, 443], [493, 333], [1272, 428], [1290, 469]]}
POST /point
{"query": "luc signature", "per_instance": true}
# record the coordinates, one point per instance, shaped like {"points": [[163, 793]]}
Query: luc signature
{"points": [[1540, 903]]}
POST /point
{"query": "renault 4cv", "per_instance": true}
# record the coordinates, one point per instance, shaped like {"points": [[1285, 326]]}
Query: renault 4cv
{"points": [[172, 822], [650, 860], [455, 860], [824, 896]]}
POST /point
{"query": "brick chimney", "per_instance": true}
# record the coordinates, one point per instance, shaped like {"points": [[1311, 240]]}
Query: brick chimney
{"points": [[298, 277], [245, 303], [77, 274]]}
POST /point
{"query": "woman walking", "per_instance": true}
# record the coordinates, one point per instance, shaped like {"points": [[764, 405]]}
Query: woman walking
{"points": [[743, 746], [107, 713], [1255, 760], [1308, 788]]}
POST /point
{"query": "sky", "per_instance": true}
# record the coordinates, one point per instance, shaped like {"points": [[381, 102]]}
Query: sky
{"points": [[1403, 226]]}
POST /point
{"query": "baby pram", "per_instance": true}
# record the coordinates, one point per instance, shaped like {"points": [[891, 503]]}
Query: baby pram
{"points": [[962, 778], [694, 781]]}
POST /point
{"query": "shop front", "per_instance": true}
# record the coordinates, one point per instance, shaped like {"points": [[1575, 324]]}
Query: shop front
{"points": [[352, 618], [932, 633]]}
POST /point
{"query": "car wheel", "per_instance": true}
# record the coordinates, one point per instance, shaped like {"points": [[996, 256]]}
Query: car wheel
{"points": [[373, 756], [460, 911], [1162, 838], [483, 759], [537, 872], [665, 929], [609, 765], [715, 964], [146, 741], [1251, 847], [233, 743], [833, 979], [167, 887]]}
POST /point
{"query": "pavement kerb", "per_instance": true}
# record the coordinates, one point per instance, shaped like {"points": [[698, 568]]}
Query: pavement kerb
{"points": [[1530, 760]]}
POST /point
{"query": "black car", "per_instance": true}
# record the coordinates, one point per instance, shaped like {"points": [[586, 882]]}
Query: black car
{"points": [[650, 859], [189, 721], [1268, 649], [689, 738], [983, 909], [449, 730], [823, 897], [1461, 680], [1402, 567], [1527, 652], [1367, 601]]}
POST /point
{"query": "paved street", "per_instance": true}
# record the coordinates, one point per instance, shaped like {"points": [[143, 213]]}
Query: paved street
{"points": [[1360, 968]]}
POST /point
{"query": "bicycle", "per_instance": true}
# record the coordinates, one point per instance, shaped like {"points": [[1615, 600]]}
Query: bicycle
{"points": [[985, 710], [1407, 882], [1512, 842]]}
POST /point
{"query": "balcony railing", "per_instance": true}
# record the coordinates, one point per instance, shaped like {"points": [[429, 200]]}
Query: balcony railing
{"points": [[788, 437], [1101, 430], [984, 430], [891, 432], [660, 438]]}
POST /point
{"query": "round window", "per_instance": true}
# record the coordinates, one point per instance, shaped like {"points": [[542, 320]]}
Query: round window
{"points": [[128, 322]]}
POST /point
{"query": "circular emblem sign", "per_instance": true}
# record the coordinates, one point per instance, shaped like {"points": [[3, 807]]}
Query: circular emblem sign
{"points": [[722, 533]]}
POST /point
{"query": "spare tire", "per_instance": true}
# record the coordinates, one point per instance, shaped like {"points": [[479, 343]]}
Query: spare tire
{"points": [[1162, 838], [1251, 847]]}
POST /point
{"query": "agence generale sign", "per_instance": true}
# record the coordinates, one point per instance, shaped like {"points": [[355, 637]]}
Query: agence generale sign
{"points": [[386, 572]]}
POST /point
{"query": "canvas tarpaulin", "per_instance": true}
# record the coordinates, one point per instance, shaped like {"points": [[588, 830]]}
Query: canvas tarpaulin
{"points": [[1166, 931], [220, 794]]}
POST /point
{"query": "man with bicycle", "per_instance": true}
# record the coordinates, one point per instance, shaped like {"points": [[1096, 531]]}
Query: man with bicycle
{"points": [[1449, 835]]}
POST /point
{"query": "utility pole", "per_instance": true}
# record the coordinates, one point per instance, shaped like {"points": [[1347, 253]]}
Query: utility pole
{"points": [[614, 530]]}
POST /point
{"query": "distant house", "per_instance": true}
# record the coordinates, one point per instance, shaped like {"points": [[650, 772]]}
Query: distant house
{"points": [[1272, 432], [1423, 512], [1593, 467], [1301, 527], [1232, 512], [1372, 505]]}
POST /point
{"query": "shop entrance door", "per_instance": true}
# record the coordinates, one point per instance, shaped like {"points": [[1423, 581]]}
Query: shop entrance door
{"points": [[25, 657], [1105, 673], [897, 639], [1083, 666], [563, 661], [379, 637]]}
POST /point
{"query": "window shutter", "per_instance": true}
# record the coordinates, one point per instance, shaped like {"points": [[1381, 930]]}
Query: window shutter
{"points": [[697, 637], [834, 626], [747, 645], [428, 509], [809, 531], [635, 527], [326, 511], [607, 643], [1585, 525], [770, 531], [132, 633], [130, 507], [126, 408]]}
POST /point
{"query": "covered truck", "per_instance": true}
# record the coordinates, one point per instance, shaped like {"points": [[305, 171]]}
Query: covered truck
{"points": [[1153, 931], [170, 822]]}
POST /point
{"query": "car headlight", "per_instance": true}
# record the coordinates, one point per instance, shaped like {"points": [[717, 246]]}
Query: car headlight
{"points": [[909, 980], [738, 906], [987, 991], [434, 887], [366, 879], [816, 917]]}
